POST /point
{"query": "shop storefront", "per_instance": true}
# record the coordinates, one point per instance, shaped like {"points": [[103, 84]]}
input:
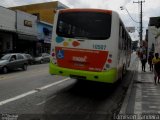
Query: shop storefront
{"points": [[26, 33], [44, 37], [7, 30], [6, 41]]}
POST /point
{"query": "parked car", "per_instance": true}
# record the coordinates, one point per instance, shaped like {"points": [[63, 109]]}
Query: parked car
{"points": [[1, 55], [43, 57], [13, 61], [29, 58]]}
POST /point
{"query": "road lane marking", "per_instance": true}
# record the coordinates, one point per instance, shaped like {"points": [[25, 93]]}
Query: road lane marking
{"points": [[46, 100], [17, 97], [47, 86], [31, 92]]}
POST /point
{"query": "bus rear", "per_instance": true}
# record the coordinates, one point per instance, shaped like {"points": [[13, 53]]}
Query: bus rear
{"points": [[80, 45]]}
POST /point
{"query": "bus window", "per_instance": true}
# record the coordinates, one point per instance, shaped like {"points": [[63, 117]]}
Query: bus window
{"points": [[85, 25]]}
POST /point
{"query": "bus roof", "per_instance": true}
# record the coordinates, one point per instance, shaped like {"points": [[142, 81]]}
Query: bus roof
{"points": [[85, 10]]}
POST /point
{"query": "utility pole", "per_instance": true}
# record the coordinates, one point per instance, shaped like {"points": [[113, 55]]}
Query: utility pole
{"points": [[141, 22]]}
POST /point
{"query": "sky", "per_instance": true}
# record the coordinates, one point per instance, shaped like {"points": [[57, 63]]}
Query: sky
{"points": [[151, 8]]}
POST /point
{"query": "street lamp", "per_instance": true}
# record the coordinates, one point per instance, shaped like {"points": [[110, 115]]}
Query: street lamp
{"points": [[123, 8]]}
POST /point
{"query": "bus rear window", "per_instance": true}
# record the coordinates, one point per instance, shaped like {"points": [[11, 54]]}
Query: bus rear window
{"points": [[90, 25]]}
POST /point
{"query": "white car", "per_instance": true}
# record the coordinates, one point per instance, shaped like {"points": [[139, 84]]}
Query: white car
{"points": [[42, 58]]}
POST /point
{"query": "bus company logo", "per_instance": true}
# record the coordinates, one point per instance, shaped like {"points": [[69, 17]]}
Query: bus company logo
{"points": [[60, 54], [79, 59]]}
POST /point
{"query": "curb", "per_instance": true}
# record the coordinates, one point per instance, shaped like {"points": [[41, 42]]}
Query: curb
{"points": [[127, 96]]}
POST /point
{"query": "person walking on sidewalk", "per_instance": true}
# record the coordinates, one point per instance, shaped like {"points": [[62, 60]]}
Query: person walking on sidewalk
{"points": [[143, 61], [150, 57], [156, 63]]}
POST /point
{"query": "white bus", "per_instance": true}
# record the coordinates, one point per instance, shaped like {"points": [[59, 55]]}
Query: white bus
{"points": [[89, 44]]}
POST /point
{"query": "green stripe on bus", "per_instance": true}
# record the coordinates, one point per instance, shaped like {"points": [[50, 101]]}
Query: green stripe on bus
{"points": [[109, 76]]}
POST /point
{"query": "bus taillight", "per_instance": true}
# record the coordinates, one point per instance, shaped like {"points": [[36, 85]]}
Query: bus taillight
{"points": [[109, 61]]}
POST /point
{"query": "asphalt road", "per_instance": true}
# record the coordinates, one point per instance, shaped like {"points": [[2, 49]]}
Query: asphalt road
{"points": [[36, 95]]}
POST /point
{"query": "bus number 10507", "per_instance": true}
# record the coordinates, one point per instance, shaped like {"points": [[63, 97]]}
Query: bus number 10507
{"points": [[99, 47]]}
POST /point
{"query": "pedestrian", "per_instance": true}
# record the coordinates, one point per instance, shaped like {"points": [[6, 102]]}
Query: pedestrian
{"points": [[156, 63], [143, 61], [150, 57]]}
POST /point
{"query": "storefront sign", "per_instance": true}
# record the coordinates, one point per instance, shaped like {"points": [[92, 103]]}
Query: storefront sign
{"points": [[44, 32], [27, 23]]}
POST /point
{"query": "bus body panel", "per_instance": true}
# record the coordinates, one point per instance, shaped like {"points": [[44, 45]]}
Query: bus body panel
{"points": [[111, 66], [106, 76]]}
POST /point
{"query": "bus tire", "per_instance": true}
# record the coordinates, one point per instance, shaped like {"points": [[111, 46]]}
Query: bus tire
{"points": [[121, 78], [123, 72]]}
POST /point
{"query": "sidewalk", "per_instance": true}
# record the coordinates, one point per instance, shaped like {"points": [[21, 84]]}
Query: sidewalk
{"points": [[143, 96]]}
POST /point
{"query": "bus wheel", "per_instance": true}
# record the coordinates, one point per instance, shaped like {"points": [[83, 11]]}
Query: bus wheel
{"points": [[124, 70], [122, 73], [121, 78]]}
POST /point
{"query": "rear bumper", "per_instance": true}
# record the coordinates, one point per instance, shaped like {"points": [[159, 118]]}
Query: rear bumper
{"points": [[109, 76]]}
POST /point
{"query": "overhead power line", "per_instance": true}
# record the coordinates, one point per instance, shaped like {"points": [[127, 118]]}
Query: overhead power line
{"points": [[122, 8]]}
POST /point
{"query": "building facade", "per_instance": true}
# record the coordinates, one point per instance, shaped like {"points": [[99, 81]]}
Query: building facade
{"points": [[7, 29], [18, 31], [27, 29], [157, 43], [44, 36], [43, 11], [45, 16], [26, 26], [152, 33]]}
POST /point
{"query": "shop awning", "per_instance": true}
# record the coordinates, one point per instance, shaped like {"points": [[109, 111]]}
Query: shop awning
{"points": [[27, 37], [7, 31]]}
